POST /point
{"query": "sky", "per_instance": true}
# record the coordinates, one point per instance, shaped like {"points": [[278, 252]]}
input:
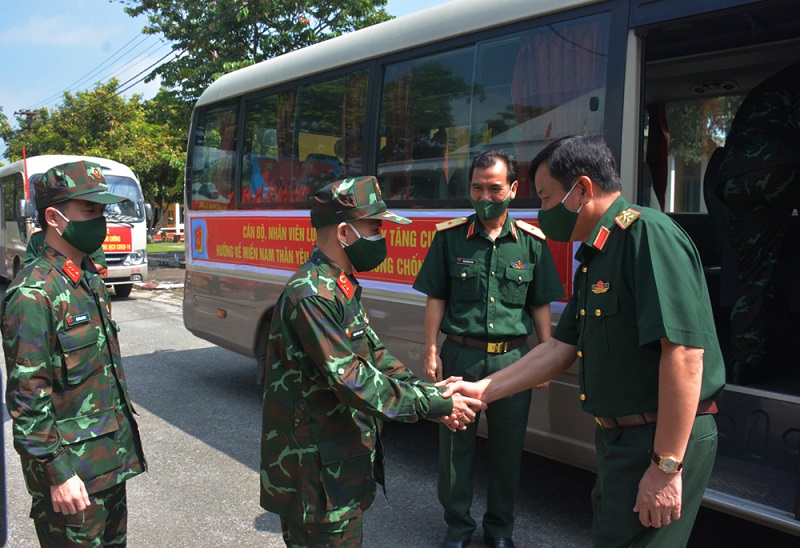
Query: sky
{"points": [[49, 46]]}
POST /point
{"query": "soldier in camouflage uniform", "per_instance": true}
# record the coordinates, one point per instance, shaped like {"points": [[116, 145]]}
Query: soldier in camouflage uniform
{"points": [[330, 382], [760, 184], [73, 423]]}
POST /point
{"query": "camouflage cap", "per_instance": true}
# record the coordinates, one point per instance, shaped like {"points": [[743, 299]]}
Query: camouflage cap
{"points": [[351, 200], [76, 180]]}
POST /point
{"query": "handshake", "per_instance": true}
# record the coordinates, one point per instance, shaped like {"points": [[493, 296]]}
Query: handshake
{"points": [[467, 402]]}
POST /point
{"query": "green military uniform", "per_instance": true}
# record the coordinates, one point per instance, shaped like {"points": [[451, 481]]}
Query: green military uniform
{"points": [[329, 384], [489, 287], [759, 181], [639, 280], [35, 248], [66, 394]]}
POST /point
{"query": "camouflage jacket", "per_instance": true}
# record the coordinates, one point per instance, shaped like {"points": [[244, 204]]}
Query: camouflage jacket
{"points": [[329, 384], [66, 392]]}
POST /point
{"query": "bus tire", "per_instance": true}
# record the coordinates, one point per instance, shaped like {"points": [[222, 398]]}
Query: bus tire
{"points": [[123, 290]]}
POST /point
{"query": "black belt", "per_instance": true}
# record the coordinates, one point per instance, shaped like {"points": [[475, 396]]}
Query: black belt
{"points": [[492, 347], [706, 407]]}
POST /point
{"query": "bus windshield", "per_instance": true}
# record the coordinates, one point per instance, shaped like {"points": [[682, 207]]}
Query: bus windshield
{"points": [[130, 210]]}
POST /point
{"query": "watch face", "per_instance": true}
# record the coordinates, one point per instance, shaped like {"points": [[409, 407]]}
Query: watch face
{"points": [[669, 464]]}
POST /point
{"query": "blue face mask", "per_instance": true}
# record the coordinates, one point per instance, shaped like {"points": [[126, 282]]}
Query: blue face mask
{"points": [[558, 222]]}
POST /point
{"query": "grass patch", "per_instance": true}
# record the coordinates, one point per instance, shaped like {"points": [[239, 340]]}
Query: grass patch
{"points": [[165, 247]]}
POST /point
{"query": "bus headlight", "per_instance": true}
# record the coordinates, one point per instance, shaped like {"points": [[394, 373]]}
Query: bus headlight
{"points": [[137, 257]]}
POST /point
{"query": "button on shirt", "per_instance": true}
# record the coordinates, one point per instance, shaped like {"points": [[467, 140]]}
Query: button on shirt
{"points": [[635, 286], [487, 284]]}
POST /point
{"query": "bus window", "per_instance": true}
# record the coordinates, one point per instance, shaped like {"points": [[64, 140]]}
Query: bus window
{"points": [[423, 148], [211, 175], [268, 162], [538, 86], [299, 140], [681, 136], [330, 121]]}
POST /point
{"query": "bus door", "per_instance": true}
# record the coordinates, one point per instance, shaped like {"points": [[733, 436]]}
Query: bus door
{"points": [[697, 71]]}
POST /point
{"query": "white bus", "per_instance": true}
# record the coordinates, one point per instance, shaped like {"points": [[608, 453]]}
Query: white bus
{"points": [[413, 100], [126, 240]]}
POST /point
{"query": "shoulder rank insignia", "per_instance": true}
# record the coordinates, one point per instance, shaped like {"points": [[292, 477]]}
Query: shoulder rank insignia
{"points": [[452, 223], [530, 229], [600, 287], [627, 218], [601, 238], [72, 271], [344, 284]]}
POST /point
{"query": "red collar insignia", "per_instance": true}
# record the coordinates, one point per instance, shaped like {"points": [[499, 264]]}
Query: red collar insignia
{"points": [[602, 238], [344, 284], [73, 272]]}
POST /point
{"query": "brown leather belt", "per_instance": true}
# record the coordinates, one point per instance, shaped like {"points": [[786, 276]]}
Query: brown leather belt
{"points": [[496, 347], [707, 407]]}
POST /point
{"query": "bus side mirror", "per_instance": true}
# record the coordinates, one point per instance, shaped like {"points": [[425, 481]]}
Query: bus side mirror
{"points": [[148, 211], [25, 208]]}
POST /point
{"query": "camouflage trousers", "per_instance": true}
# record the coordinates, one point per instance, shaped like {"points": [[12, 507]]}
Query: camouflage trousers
{"points": [[340, 534], [760, 203], [103, 523]]}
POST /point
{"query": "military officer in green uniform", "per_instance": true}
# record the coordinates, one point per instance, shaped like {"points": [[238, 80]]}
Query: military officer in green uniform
{"points": [[330, 382], [73, 420], [489, 281], [640, 324]]}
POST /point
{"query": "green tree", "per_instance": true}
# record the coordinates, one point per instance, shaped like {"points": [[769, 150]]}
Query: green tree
{"points": [[149, 137], [218, 36]]}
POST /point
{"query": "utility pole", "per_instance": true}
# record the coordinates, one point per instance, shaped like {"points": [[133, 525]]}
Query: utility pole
{"points": [[29, 115]]}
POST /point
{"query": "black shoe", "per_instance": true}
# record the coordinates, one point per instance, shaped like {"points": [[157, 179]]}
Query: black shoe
{"points": [[450, 543], [498, 542], [743, 373]]}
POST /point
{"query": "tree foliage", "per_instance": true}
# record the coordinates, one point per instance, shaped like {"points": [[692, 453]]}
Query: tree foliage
{"points": [[149, 137], [218, 36]]}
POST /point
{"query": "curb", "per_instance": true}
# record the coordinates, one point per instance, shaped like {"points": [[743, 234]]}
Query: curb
{"points": [[157, 286]]}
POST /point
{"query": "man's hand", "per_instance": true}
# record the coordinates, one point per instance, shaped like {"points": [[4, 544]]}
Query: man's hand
{"points": [[432, 367], [659, 500], [456, 385], [464, 409], [69, 497]]}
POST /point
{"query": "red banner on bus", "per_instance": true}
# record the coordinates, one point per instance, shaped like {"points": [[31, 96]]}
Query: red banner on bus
{"points": [[285, 242], [118, 240]]}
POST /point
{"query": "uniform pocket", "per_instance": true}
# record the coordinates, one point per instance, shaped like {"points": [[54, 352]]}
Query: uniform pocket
{"points": [[90, 443], [514, 285], [346, 470], [603, 311], [465, 282], [81, 357]]}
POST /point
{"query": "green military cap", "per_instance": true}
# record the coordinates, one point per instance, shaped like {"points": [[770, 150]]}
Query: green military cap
{"points": [[76, 180], [351, 200]]}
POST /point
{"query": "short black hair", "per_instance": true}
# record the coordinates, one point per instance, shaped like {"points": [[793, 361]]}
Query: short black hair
{"points": [[487, 159], [571, 157]]}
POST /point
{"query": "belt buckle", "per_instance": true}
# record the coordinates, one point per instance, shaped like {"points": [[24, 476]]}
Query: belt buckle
{"points": [[497, 348]]}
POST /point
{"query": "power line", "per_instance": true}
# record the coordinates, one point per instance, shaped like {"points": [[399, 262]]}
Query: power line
{"points": [[56, 98]]}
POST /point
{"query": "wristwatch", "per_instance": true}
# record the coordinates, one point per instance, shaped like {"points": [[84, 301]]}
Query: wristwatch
{"points": [[668, 464]]}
